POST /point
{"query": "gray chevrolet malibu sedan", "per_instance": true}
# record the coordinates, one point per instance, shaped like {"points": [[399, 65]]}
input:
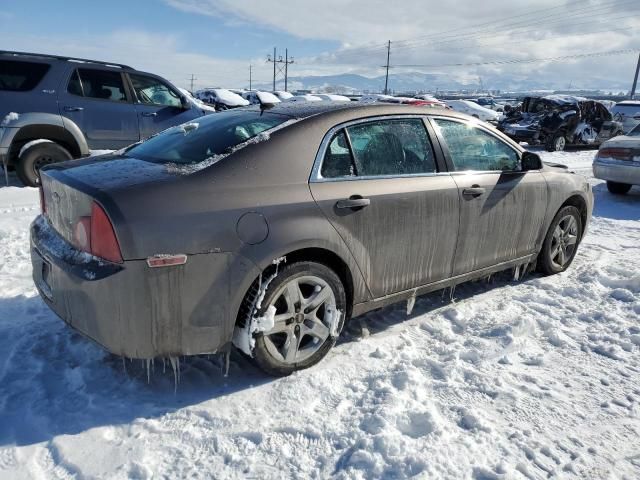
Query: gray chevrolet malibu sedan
{"points": [[268, 229]]}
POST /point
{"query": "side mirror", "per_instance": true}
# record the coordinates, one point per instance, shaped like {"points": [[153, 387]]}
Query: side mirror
{"points": [[531, 161], [186, 103]]}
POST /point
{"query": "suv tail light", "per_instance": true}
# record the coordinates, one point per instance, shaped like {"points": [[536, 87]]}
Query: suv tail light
{"points": [[94, 234], [616, 153]]}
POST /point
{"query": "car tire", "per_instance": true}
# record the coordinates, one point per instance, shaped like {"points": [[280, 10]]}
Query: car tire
{"points": [[37, 156], [556, 142], [561, 242], [618, 188], [273, 351]]}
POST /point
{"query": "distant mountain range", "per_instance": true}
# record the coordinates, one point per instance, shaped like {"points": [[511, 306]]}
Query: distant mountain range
{"points": [[410, 82]]}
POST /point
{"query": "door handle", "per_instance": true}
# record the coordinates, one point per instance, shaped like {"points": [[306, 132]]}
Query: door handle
{"points": [[473, 191], [73, 109], [149, 114], [355, 202]]}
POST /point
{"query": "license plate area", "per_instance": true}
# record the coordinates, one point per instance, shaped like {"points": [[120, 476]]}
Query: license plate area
{"points": [[42, 271]]}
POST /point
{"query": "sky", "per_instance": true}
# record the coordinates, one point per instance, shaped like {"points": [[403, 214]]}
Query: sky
{"points": [[461, 40]]}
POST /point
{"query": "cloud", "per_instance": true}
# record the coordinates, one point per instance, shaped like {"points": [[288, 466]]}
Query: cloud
{"points": [[465, 31]]}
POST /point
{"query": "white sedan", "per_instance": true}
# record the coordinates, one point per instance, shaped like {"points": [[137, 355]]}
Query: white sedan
{"points": [[618, 162], [473, 109]]}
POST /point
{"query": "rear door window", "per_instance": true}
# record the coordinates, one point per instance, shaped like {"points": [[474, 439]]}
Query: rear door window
{"points": [[101, 84], [473, 149], [391, 147], [21, 76]]}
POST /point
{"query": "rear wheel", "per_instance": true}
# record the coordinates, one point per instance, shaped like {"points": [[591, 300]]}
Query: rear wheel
{"points": [[556, 143], [35, 157], [618, 188], [561, 243], [309, 303]]}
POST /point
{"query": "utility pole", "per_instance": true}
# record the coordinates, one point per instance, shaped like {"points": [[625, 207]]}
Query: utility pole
{"points": [[286, 67], [386, 79], [281, 66], [193, 78], [635, 79], [250, 78]]}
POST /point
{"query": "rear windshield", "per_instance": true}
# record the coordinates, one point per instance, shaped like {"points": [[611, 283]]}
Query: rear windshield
{"points": [[21, 76], [205, 137]]}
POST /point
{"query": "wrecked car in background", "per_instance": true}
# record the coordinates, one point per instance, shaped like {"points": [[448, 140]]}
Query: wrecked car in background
{"points": [[270, 228], [558, 121]]}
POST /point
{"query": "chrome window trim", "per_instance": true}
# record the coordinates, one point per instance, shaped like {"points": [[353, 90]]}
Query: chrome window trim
{"points": [[478, 124], [316, 176]]}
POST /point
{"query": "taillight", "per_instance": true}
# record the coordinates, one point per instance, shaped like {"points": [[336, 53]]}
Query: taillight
{"points": [[104, 243], [616, 153], [94, 234], [43, 207]]}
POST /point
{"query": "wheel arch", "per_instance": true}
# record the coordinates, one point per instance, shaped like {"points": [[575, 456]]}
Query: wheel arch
{"points": [[576, 200], [307, 254], [47, 126], [47, 132]]}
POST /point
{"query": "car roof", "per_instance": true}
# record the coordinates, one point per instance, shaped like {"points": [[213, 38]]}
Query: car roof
{"points": [[301, 110], [11, 55]]}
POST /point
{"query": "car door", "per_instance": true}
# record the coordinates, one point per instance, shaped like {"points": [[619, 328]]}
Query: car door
{"points": [[158, 105], [502, 208], [96, 100], [380, 184]]}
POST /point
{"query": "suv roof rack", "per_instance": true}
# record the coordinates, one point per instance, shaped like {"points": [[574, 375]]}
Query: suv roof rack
{"points": [[65, 58]]}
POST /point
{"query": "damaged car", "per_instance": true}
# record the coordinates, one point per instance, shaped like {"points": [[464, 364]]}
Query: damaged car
{"points": [[558, 121], [269, 228]]}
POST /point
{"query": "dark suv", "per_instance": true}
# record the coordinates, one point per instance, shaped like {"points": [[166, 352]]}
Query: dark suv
{"points": [[57, 108]]}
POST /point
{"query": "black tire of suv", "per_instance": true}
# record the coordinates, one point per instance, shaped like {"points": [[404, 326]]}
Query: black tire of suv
{"points": [[618, 188], [545, 264], [550, 144], [37, 156], [261, 356]]}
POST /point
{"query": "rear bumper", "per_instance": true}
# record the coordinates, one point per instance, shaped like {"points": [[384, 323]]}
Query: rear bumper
{"points": [[617, 171], [136, 311]]}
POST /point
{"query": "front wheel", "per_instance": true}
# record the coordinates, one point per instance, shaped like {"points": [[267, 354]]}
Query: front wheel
{"points": [[561, 243], [618, 188], [307, 303], [36, 156]]}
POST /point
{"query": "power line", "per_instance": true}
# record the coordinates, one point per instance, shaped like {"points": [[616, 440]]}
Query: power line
{"points": [[472, 32], [524, 60]]}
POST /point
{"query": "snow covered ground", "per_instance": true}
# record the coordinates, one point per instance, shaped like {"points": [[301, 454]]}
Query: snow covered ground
{"points": [[532, 379]]}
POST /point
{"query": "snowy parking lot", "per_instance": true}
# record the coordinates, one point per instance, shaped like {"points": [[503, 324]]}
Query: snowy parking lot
{"points": [[529, 379]]}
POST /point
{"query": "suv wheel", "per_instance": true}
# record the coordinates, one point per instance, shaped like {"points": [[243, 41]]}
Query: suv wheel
{"points": [[37, 156], [561, 243], [308, 299], [556, 143], [618, 188]]}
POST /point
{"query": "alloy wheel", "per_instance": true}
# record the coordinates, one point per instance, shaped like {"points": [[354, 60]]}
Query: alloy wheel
{"points": [[564, 241], [305, 312], [560, 144]]}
